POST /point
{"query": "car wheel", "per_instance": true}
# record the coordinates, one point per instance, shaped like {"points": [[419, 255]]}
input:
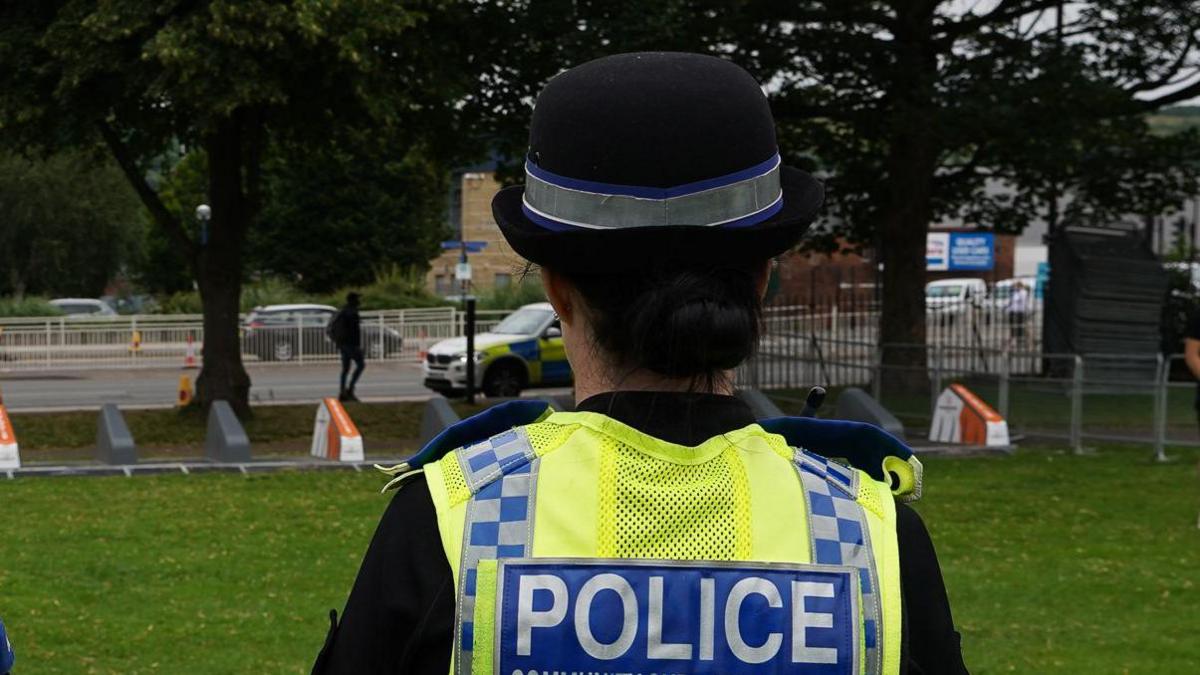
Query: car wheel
{"points": [[503, 380], [282, 351]]}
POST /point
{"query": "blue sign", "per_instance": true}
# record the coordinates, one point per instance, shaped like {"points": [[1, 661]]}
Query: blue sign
{"points": [[471, 246], [971, 252], [1043, 278], [574, 615]]}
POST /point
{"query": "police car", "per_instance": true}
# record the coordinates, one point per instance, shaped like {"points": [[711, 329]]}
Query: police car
{"points": [[524, 350]]}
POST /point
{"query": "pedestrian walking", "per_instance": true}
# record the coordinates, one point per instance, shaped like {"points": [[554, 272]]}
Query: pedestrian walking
{"points": [[1018, 314], [345, 329], [659, 527]]}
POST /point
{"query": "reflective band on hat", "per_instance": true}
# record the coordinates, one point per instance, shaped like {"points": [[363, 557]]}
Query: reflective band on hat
{"points": [[737, 200]]}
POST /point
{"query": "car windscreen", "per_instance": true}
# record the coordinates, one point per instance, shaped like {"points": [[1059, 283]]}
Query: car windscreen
{"points": [[943, 291], [523, 322], [74, 308]]}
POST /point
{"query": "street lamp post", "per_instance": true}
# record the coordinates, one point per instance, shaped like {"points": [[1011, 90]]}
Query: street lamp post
{"points": [[203, 215]]}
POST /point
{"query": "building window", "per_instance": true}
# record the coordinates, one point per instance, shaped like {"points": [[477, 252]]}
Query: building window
{"points": [[503, 280], [454, 208]]}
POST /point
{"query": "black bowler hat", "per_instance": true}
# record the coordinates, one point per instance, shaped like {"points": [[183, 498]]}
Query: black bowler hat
{"points": [[651, 159]]}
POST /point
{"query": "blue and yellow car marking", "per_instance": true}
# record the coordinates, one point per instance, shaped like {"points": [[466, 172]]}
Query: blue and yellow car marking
{"points": [[545, 360]]}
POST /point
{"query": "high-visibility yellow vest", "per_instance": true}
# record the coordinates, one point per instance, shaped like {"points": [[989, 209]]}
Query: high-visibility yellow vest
{"points": [[580, 544]]}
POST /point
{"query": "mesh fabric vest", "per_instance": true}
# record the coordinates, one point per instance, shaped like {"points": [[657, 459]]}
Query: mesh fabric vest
{"points": [[580, 487]]}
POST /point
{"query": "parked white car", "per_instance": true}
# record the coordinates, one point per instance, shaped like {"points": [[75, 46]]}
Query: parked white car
{"points": [[84, 308], [945, 299]]}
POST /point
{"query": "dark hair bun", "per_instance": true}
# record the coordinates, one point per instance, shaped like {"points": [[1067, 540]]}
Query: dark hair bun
{"points": [[679, 323]]}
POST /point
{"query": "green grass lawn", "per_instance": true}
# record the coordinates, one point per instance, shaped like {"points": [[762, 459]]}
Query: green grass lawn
{"points": [[1054, 563]]}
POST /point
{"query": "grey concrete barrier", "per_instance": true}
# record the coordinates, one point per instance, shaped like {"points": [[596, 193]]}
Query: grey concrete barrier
{"points": [[226, 440], [114, 441], [562, 402], [856, 405], [761, 405], [438, 415]]}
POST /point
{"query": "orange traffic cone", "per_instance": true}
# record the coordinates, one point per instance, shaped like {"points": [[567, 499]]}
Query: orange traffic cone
{"points": [[185, 391], [189, 361]]}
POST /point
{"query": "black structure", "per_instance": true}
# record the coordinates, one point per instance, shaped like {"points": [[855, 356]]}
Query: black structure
{"points": [[1105, 296]]}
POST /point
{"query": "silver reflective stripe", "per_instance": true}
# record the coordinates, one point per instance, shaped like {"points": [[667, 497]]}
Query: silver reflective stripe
{"points": [[711, 207], [839, 535], [502, 476]]}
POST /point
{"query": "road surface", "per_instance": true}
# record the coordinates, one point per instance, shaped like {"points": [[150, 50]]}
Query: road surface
{"points": [[83, 390]]}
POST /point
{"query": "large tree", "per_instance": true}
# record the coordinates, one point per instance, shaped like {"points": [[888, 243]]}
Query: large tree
{"points": [[229, 77]]}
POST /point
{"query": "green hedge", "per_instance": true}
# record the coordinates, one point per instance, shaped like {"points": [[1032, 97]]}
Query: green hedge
{"points": [[27, 306]]}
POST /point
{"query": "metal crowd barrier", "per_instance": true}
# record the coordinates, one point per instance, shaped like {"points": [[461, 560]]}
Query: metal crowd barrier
{"points": [[1069, 397], [62, 343]]}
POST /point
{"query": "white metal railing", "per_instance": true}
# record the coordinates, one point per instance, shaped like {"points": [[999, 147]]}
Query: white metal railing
{"points": [[175, 340]]}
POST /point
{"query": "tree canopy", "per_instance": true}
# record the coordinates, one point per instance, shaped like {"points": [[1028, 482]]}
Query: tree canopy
{"points": [[68, 224], [336, 212]]}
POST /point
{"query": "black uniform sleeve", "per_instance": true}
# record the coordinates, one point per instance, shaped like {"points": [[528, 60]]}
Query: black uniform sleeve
{"points": [[931, 644], [400, 614]]}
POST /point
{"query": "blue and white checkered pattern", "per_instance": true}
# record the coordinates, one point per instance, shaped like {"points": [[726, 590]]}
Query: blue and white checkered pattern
{"points": [[837, 526], [502, 476]]}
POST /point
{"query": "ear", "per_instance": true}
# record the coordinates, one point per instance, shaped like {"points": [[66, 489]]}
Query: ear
{"points": [[559, 292]]}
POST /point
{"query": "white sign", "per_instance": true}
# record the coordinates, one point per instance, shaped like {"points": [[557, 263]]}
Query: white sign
{"points": [[937, 251], [462, 271]]}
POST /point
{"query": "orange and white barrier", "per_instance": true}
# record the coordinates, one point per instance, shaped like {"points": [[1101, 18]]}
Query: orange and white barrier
{"points": [[189, 360], [963, 417], [334, 435], [10, 455]]}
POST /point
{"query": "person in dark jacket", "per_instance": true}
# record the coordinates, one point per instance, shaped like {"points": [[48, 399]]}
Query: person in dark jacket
{"points": [[346, 331]]}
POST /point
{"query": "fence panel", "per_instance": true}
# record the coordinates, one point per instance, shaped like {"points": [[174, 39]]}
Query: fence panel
{"points": [[158, 341]]}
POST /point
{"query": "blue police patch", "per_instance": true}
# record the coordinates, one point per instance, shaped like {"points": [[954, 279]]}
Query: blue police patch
{"points": [[630, 616]]}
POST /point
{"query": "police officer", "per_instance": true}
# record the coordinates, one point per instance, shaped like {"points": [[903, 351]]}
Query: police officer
{"points": [[658, 528]]}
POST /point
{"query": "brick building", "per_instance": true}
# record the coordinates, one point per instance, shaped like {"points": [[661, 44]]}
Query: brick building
{"points": [[819, 278], [470, 215]]}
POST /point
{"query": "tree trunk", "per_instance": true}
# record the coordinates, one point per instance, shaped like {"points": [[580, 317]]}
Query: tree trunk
{"points": [[218, 266], [234, 151], [911, 166]]}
